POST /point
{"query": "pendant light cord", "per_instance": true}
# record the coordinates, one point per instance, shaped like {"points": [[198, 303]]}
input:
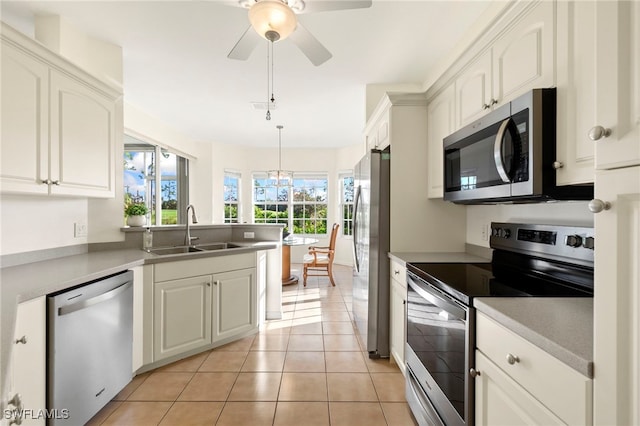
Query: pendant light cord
{"points": [[268, 81]]}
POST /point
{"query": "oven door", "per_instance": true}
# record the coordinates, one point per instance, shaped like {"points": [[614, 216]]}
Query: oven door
{"points": [[439, 351]]}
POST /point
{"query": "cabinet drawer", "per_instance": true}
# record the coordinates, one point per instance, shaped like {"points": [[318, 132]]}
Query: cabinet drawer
{"points": [[203, 266], [560, 388], [399, 272]]}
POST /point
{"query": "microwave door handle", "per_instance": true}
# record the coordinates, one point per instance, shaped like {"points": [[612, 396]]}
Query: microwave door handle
{"points": [[497, 151]]}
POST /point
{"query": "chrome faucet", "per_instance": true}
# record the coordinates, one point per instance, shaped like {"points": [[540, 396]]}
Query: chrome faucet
{"points": [[187, 237]]}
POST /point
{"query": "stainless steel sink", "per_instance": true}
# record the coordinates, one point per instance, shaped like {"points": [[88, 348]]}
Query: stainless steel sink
{"points": [[216, 246], [175, 250]]}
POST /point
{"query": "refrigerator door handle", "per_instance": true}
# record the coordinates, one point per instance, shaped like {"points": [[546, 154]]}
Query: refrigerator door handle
{"points": [[355, 228]]}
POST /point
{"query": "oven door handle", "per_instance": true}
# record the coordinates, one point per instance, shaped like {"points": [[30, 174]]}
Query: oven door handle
{"points": [[436, 298]]}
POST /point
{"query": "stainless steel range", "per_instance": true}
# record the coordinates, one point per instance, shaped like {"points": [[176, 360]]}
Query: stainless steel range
{"points": [[528, 260]]}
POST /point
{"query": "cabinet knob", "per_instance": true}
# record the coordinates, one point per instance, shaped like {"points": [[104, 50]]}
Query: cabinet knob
{"points": [[55, 182], [596, 205], [16, 401], [46, 182], [598, 132], [396, 272], [557, 165], [493, 102], [473, 372], [512, 359], [22, 340], [486, 106]]}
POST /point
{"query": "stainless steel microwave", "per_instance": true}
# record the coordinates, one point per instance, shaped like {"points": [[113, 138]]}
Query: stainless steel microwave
{"points": [[508, 156]]}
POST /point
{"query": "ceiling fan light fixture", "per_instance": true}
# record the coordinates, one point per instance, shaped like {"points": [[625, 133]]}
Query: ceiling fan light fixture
{"points": [[272, 19]]}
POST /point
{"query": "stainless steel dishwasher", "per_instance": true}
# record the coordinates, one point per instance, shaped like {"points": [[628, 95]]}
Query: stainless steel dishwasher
{"points": [[89, 355]]}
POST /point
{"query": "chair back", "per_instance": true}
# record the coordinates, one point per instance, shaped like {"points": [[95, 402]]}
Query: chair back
{"points": [[334, 234]]}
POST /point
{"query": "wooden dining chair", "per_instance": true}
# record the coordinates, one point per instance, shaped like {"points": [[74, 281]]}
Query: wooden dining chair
{"points": [[320, 259]]}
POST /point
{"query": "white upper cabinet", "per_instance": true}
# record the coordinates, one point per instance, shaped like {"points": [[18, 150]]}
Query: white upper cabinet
{"points": [[474, 96], [524, 56], [440, 124], [617, 93], [59, 124], [24, 122]]}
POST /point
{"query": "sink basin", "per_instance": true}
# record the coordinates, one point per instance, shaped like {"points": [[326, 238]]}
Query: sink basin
{"points": [[175, 250], [216, 246]]}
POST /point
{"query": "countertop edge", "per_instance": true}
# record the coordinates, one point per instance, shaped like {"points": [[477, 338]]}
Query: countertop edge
{"points": [[576, 361]]}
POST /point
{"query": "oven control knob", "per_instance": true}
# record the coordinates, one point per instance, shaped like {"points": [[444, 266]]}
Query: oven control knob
{"points": [[573, 240], [589, 243], [495, 232], [504, 233]]}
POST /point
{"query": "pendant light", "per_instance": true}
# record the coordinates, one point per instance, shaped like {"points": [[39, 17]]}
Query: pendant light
{"points": [[282, 177]]}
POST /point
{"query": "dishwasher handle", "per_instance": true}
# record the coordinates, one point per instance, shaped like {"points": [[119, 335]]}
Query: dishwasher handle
{"points": [[64, 310]]}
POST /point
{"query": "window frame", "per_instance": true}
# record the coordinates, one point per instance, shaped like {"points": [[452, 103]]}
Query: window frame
{"points": [[141, 144], [238, 176], [289, 203], [347, 230]]}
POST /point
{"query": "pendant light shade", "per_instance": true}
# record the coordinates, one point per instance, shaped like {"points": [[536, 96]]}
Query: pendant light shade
{"points": [[282, 177], [272, 19]]}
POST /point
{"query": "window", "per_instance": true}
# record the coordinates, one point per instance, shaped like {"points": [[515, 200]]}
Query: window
{"points": [[346, 202], [301, 208], [310, 204], [141, 182], [231, 197]]}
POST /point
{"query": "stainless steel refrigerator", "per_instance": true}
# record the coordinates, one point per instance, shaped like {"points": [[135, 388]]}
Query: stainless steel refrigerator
{"points": [[370, 249]]}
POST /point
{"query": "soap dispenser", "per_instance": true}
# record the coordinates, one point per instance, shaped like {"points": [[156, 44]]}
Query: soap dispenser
{"points": [[147, 239]]}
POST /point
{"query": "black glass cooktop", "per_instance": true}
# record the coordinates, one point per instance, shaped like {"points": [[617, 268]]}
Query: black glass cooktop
{"points": [[464, 281]]}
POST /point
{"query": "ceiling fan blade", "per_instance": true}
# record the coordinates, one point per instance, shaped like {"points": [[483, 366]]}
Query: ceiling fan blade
{"points": [[312, 6], [310, 46], [243, 48]]}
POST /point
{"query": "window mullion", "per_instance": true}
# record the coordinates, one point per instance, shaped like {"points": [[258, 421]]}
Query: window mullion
{"points": [[158, 181]]}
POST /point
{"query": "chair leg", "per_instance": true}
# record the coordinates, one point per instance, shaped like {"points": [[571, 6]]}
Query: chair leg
{"points": [[304, 275], [330, 270]]}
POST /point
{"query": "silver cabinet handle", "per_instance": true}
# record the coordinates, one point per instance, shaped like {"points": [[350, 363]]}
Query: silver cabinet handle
{"points": [[396, 272], [473, 372], [596, 205], [598, 132], [22, 340], [512, 359], [55, 182], [558, 165], [46, 182], [486, 106], [493, 102]]}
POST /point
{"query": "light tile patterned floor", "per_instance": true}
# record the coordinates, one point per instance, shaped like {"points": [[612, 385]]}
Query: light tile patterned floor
{"points": [[306, 369]]}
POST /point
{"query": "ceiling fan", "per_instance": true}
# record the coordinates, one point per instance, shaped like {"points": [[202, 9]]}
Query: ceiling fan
{"points": [[276, 20]]}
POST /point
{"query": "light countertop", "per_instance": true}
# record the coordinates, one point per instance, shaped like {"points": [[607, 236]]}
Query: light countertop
{"points": [[445, 257], [563, 327], [28, 281]]}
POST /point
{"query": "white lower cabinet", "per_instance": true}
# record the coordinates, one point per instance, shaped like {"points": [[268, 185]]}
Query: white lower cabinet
{"points": [[182, 311], [234, 303], [201, 303], [519, 383], [398, 300], [27, 387]]}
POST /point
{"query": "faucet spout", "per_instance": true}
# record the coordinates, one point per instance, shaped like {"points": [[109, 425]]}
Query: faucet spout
{"points": [[187, 237]]}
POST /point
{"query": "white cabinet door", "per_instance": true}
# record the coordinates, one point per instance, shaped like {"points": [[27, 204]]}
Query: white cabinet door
{"points": [[524, 56], [502, 401], [473, 91], [234, 303], [397, 319], [618, 78], [82, 139], [440, 124], [28, 359], [617, 298], [24, 122], [182, 316]]}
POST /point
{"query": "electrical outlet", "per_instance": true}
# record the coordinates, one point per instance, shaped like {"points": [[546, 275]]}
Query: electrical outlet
{"points": [[485, 232], [79, 229], [249, 235]]}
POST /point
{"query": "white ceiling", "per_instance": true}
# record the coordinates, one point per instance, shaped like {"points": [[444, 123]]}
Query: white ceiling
{"points": [[176, 66]]}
